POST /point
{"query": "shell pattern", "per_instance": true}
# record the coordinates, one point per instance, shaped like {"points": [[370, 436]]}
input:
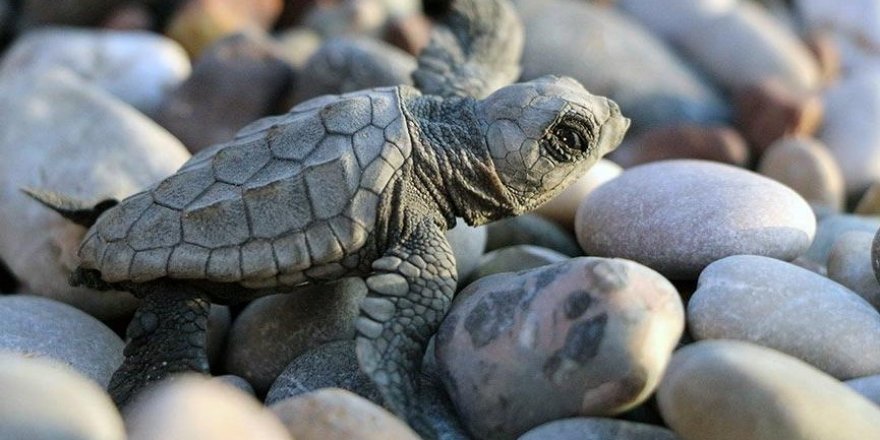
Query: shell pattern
{"points": [[284, 202]]}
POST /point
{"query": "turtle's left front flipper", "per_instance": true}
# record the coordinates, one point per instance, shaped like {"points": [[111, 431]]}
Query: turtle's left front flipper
{"points": [[409, 295], [78, 211]]}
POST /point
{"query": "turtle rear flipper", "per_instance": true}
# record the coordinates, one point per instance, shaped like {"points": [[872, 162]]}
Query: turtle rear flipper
{"points": [[78, 211]]}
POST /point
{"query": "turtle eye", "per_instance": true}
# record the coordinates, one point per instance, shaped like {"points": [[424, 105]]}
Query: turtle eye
{"points": [[570, 138]]}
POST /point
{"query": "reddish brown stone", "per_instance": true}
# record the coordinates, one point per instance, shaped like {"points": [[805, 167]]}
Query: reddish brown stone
{"points": [[130, 16], [410, 33], [197, 24], [771, 110], [238, 80], [827, 54], [718, 143]]}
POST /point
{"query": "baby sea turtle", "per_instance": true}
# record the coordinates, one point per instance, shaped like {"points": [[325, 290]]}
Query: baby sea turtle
{"points": [[362, 184]]}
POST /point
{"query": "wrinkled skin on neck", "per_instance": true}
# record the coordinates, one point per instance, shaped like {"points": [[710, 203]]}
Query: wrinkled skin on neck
{"points": [[483, 160]]}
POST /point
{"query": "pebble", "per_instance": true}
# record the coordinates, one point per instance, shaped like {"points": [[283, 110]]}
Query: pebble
{"points": [[831, 227], [771, 110], [614, 56], [130, 16], [137, 67], [199, 24], [410, 33], [852, 106], [238, 80], [346, 64], [581, 428], [869, 203], [850, 265], [346, 17], [35, 13], [562, 208], [36, 326], [272, 331], [805, 165], [516, 258], [784, 307], [328, 365], [719, 143], [868, 386], [297, 45], [714, 34], [238, 382], [337, 414], [532, 230], [224, 412], [468, 244], [724, 390], [654, 207], [61, 134], [43, 400], [589, 336], [853, 25]]}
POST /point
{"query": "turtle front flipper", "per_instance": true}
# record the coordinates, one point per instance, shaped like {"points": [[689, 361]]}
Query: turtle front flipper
{"points": [[409, 295], [167, 335]]}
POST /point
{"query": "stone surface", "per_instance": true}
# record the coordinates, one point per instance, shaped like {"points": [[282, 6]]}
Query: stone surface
{"points": [[868, 386], [869, 203], [631, 66], [784, 307], [41, 327], [139, 68], [724, 390], [130, 16], [532, 230], [272, 331], [35, 13], [652, 214], [346, 17], [236, 381], [240, 79], [329, 365], [219, 322], [337, 414], [719, 143], [97, 148], [854, 27], [347, 64], [198, 24], [852, 106], [468, 244], [832, 227], [411, 32], [563, 207], [297, 45], [850, 265], [43, 400], [589, 336], [806, 166], [738, 43], [516, 258], [582, 428], [224, 413], [771, 110]]}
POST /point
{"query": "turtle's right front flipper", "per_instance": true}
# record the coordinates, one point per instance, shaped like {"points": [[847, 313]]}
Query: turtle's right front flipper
{"points": [[78, 211]]}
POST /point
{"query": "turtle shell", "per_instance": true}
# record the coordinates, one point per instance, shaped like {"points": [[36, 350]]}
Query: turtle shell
{"points": [[288, 194]]}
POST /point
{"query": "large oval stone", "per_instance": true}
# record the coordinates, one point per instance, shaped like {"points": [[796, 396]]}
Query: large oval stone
{"points": [[790, 309], [63, 135], [582, 428], [193, 407], [732, 390], [44, 400], [805, 165], [678, 216], [41, 327], [850, 265], [614, 56], [589, 336]]}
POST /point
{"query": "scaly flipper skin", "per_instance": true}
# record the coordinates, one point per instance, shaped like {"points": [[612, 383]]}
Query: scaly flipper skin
{"points": [[167, 335], [78, 211], [474, 50], [409, 295]]}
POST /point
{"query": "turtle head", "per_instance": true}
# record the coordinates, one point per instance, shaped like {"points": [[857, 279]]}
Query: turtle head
{"points": [[544, 134]]}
